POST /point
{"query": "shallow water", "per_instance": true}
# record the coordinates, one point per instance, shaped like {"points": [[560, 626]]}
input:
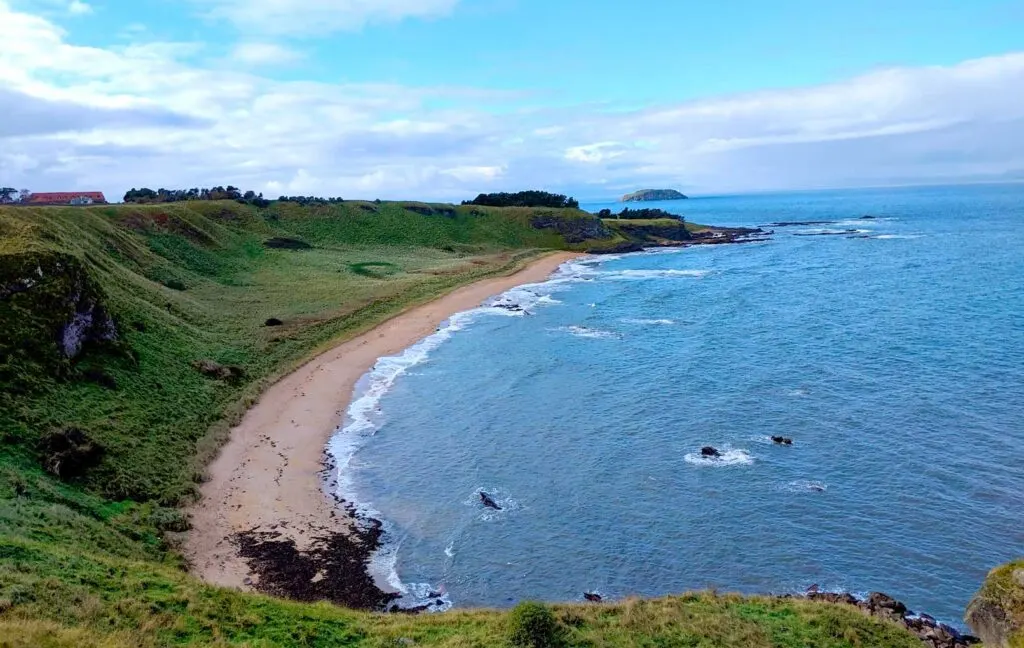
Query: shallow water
{"points": [[895, 362]]}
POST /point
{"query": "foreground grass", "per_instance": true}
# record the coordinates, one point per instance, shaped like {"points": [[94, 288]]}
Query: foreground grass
{"points": [[90, 560]]}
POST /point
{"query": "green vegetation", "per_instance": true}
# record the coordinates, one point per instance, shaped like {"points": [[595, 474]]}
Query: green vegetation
{"points": [[105, 425], [997, 612], [653, 194], [640, 214], [524, 199], [533, 625]]}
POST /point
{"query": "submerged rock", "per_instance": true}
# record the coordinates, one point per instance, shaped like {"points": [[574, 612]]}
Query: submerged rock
{"points": [[488, 501]]}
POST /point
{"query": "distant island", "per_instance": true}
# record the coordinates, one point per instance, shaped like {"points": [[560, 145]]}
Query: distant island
{"points": [[653, 194]]}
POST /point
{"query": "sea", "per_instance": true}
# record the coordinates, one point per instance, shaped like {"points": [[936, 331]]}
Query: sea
{"points": [[887, 343]]}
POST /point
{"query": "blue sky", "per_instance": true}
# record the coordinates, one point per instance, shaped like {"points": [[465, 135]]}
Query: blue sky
{"points": [[444, 98]]}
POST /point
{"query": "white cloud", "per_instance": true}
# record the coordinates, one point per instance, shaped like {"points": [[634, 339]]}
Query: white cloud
{"points": [[594, 153], [266, 54], [78, 8], [319, 16], [151, 113], [475, 173]]}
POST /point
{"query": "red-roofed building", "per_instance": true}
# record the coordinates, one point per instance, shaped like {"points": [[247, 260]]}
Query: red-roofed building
{"points": [[67, 198]]}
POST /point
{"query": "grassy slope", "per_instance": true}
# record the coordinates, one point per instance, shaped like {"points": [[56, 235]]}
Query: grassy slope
{"points": [[89, 563]]}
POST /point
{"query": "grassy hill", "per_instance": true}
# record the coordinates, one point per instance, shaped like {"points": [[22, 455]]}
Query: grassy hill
{"points": [[132, 337]]}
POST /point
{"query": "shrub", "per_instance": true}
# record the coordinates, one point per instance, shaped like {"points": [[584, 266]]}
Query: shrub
{"points": [[68, 452], [533, 625]]}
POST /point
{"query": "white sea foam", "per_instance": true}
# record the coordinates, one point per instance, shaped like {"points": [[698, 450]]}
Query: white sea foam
{"points": [[450, 549], [363, 419], [584, 332], [652, 274], [729, 457], [650, 322], [826, 231]]}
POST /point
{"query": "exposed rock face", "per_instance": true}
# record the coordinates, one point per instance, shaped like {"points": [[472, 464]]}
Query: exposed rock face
{"points": [[50, 310], [574, 228], [666, 232], [997, 612], [653, 194]]}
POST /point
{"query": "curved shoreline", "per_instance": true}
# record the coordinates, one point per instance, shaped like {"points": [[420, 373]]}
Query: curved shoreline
{"points": [[267, 482]]}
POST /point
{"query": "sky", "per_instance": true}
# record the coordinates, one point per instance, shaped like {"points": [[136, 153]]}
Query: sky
{"points": [[444, 99]]}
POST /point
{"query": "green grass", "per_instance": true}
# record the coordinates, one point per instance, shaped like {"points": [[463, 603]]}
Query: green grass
{"points": [[165, 418], [91, 561], [1001, 599]]}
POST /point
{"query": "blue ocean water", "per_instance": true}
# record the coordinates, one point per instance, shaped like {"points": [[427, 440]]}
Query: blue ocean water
{"points": [[895, 362]]}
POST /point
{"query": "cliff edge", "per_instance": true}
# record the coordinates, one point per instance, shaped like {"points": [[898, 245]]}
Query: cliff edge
{"points": [[997, 612]]}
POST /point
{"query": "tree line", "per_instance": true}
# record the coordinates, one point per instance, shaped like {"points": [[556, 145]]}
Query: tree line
{"points": [[11, 196], [639, 214], [149, 196], [524, 199]]}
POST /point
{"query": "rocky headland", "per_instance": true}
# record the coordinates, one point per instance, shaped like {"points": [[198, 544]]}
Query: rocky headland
{"points": [[653, 194]]}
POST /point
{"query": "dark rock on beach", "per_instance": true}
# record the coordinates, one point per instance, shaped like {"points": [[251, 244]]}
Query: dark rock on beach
{"points": [[333, 569]]}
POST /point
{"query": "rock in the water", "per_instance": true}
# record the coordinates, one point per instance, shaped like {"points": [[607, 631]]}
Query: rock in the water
{"points": [[593, 597], [488, 501], [779, 440], [653, 194], [709, 451]]}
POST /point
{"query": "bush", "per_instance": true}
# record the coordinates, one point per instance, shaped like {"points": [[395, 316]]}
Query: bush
{"points": [[524, 199], [533, 625], [68, 452]]}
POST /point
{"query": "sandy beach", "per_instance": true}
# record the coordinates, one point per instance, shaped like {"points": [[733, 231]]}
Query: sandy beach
{"points": [[269, 477]]}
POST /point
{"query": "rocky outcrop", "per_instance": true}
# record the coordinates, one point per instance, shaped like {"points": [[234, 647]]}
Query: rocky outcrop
{"points": [[656, 233], [574, 228], [50, 311], [996, 613], [882, 606], [653, 194]]}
